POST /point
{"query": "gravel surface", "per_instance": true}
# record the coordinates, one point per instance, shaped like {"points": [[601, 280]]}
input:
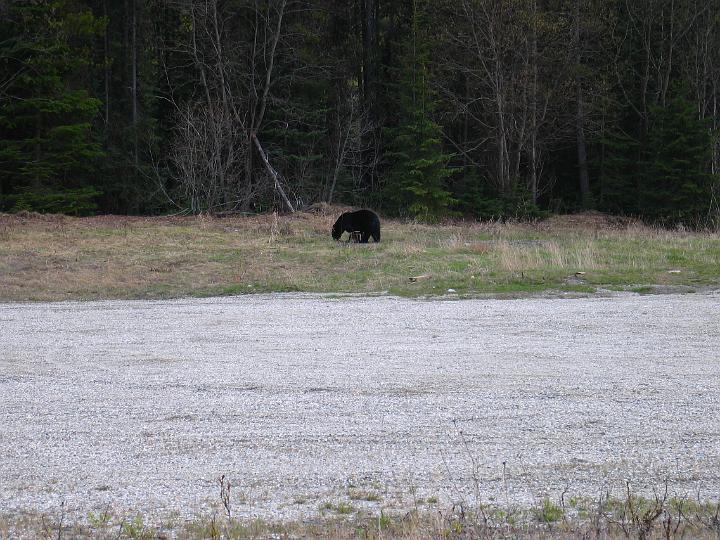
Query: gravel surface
{"points": [[302, 399]]}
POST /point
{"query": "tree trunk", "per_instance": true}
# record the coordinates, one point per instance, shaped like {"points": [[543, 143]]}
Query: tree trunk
{"points": [[247, 185], [580, 120], [226, 114], [36, 181], [369, 81], [582, 154], [106, 61], [533, 108], [502, 151], [133, 83], [715, 167], [370, 37], [338, 143]]}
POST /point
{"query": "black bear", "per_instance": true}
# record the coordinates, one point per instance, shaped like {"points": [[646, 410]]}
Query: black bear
{"points": [[366, 223]]}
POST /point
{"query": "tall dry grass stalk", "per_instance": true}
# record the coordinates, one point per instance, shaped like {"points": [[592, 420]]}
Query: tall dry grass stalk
{"points": [[574, 257]]}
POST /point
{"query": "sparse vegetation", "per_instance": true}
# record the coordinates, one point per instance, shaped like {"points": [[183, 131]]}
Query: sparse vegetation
{"points": [[47, 257], [606, 517]]}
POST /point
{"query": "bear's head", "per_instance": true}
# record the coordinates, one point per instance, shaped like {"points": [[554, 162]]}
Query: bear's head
{"points": [[338, 228]]}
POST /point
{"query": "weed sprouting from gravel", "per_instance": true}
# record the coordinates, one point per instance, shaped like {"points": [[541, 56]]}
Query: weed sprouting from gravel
{"points": [[549, 512], [363, 495], [340, 507], [225, 495], [135, 529], [100, 520]]}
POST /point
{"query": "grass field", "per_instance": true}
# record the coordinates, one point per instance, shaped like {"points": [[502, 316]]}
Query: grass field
{"points": [[50, 257]]}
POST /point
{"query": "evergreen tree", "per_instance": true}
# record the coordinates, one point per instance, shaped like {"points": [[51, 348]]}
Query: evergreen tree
{"points": [[416, 182], [135, 62], [619, 173], [674, 184], [664, 177], [46, 113]]}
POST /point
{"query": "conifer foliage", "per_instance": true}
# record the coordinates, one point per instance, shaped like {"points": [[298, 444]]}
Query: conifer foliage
{"points": [[416, 182], [675, 186], [48, 151]]}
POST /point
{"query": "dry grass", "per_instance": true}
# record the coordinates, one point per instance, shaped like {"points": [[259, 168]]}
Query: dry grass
{"points": [[48, 257]]}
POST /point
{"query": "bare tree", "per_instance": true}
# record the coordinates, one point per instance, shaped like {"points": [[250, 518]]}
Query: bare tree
{"points": [[509, 98], [656, 28], [703, 68], [234, 52], [208, 167], [352, 142]]}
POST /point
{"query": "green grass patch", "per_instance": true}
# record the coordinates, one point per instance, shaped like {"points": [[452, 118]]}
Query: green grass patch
{"points": [[642, 290]]}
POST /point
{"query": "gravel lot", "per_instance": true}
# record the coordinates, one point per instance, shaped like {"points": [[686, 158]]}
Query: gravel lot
{"points": [[301, 399]]}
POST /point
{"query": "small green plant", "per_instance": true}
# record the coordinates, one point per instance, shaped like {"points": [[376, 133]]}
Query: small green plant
{"points": [[362, 495], [99, 520], [549, 512], [344, 508], [136, 529], [499, 515], [341, 507]]}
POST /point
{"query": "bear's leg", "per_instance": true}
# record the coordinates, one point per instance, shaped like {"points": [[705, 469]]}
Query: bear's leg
{"points": [[365, 237], [375, 231]]}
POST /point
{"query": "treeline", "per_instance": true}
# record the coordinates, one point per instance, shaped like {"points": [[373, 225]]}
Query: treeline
{"points": [[418, 108]]}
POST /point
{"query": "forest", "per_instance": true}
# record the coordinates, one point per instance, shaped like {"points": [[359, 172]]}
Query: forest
{"points": [[480, 109]]}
